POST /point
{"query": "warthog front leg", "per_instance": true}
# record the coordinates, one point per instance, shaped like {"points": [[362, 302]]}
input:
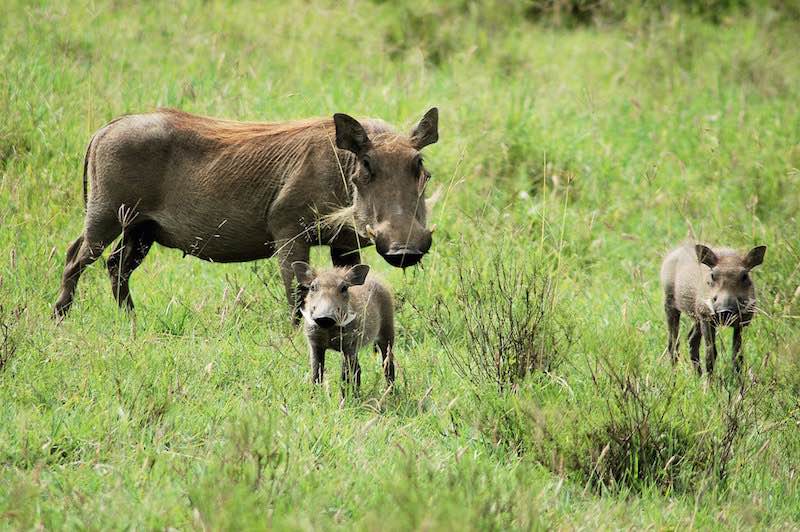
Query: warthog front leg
{"points": [[289, 250], [710, 335], [341, 257], [317, 359], [738, 358], [694, 346]]}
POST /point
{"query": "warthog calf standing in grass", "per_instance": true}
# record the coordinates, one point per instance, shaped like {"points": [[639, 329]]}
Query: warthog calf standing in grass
{"points": [[714, 287], [231, 191], [345, 310]]}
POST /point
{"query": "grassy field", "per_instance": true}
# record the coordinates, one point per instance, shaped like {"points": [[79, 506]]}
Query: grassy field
{"points": [[571, 156]]}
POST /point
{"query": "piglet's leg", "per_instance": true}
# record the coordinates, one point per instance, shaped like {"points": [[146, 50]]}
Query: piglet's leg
{"points": [[317, 359], [387, 357], [694, 346], [738, 358], [710, 336], [673, 326]]}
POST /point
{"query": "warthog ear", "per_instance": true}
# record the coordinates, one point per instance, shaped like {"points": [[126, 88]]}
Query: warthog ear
{"points": [[427, 131], [356, 275], [350, 134], [305, 275], [705, 255], [755, 257]]}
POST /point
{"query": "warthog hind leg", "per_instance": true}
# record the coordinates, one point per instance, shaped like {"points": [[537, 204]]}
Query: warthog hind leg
{"points": [[673, 328], [126, 257], [387, 359], [83, 252]]}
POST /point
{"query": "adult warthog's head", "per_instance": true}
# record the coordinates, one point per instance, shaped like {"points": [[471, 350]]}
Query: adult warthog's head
{"points": [[389, 186]]}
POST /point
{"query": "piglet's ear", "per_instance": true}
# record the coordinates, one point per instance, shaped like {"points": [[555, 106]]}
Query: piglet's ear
{"points": [[427, 131], [705, 255], [755, 257], [305, 275], [356, 275]]}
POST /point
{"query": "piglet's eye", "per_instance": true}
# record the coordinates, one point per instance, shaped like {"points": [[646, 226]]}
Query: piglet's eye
{"points": [[745, 279], [714, 276], [366, 164], [343, 289]]}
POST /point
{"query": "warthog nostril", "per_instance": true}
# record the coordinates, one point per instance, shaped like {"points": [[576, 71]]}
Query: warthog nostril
{"points": [[403, 257], [325, 322]]}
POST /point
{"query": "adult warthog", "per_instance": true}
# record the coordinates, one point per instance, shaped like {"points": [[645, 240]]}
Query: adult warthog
{"points": [[229, 191]]}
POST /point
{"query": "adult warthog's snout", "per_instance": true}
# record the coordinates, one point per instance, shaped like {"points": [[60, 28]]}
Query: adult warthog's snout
{"points": [[403, 257], [401, 248]]}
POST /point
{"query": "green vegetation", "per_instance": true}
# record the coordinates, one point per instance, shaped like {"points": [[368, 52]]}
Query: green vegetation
{"points": [[577, 149]]}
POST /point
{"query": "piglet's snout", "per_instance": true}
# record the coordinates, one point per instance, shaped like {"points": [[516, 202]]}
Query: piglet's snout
{"points": [[325, 316], [326, 322]]}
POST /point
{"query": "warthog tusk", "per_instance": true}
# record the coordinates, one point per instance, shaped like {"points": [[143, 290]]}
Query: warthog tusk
{"points": [[433, 228], [307, 316], [350, 316], [370, 232]]}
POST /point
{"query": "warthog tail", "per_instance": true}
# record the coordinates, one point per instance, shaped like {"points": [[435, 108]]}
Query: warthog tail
{"points": [[86, 160], [85, 173]]}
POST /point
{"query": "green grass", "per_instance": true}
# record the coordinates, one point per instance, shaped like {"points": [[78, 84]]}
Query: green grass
{"points": [[587, 151]]}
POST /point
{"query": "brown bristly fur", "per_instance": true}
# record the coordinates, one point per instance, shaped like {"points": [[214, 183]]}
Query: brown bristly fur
{"points": [[232, 133]]}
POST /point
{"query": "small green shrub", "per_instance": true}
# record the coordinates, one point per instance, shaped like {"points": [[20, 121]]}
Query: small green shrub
{"points": [[505, 312]]}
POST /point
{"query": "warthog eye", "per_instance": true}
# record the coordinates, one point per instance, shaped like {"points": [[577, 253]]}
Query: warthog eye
{"points": [[744, 279], [424, 177], [343, 288], [714, 276], [312, 287], [365, 162]]}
